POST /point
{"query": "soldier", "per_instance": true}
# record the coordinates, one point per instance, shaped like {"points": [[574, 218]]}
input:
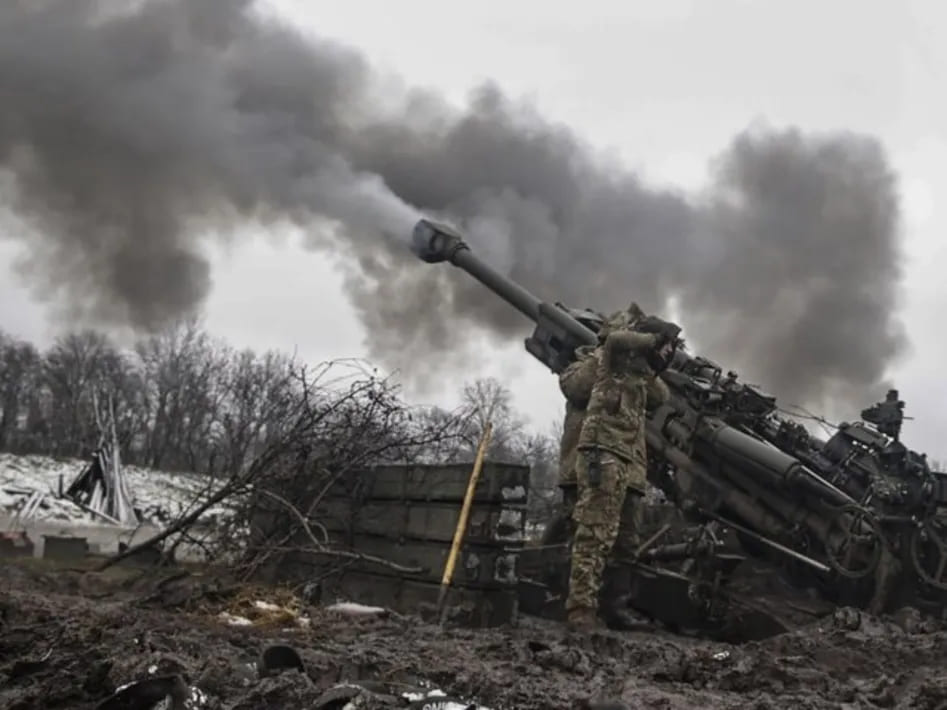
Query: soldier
{"points": [[617, 577], [612, 455], [575, 383]]}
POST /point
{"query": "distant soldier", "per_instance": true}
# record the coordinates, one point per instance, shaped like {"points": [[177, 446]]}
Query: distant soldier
{"points": [[611, 466]]}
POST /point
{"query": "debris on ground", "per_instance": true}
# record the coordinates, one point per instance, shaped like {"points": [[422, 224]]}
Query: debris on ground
{"points": [[92, 640], [264, 607], [355, 609]]}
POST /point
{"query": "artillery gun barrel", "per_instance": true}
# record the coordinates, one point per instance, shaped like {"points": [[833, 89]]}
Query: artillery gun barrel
{"points": [[434, 243], [729, 496], [746, 453], [749, 453]]}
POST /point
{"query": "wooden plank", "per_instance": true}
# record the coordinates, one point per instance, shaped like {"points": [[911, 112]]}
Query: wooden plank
{"points": [[418, 520], [446, 482]]}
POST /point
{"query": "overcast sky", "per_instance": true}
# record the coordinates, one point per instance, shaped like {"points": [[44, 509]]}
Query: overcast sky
{"points": [[664, 86]]}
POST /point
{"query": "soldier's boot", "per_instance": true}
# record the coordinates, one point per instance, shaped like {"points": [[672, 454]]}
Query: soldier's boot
{"points": [[615, 596]]}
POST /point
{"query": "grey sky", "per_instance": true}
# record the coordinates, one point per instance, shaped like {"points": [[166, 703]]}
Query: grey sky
{"points": [[661, 86]]}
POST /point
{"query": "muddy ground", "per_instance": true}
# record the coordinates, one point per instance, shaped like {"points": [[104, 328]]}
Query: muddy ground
{"points": [[68, 639]]}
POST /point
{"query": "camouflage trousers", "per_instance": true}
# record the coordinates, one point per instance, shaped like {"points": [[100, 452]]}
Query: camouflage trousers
{"points": [[607, 520]]}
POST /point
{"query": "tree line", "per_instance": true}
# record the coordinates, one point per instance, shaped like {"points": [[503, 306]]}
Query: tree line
{"points": [[186, 401]]}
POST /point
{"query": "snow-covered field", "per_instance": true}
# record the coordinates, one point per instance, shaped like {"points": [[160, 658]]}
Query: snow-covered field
{"points": [[160, 496]]}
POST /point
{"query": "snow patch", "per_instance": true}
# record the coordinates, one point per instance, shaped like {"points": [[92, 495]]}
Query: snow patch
{"points": [[438, 700], [233, 619], [356, 609], [513, 493], [511, 525], [266, 606]]}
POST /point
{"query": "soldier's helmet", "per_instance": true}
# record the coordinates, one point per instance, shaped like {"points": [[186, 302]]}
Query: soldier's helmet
{"points": [[634, 312], [621, 320], [660, 358], [653, 324]]}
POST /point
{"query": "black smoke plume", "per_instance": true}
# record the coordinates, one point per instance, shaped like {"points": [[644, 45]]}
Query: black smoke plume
{"points": [[130, 133]]}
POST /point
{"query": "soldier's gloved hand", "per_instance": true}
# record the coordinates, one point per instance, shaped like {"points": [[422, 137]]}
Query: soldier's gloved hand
{"points": [[665, 332]]}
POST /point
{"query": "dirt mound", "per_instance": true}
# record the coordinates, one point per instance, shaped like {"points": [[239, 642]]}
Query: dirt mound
{"points": [[69, 640]]}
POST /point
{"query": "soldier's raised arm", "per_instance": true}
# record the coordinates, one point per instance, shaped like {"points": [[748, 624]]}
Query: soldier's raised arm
{"points": [[649, 333], [631, 341]]}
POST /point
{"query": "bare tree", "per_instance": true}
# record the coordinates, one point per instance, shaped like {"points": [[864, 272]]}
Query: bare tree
{"points": [[72, 367], [486, 400], [446, 449], [118, 379], [259, 396], [182, 369], [19, 366], [556, 429], [541, 453]]}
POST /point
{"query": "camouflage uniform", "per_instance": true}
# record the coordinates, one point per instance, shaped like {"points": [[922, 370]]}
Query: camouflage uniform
{"points": [[576, 383], [576, 386], [613, 435]]}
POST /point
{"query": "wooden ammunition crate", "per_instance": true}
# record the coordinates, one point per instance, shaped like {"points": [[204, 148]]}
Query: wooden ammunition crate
{"points": [[407, 515]]}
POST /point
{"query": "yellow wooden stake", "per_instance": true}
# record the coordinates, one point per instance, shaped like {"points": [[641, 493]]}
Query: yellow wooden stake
{"points": [[461, 528]]}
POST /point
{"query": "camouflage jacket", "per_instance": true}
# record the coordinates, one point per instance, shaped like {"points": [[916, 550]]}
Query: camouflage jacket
{"points": [[576, 383], [568, 445], [614, 420]]}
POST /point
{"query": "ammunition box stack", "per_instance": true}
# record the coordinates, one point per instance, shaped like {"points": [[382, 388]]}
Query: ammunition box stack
{"points": [[407, 516]]}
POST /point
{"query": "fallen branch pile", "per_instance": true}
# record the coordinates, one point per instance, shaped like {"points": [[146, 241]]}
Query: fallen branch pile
{"points": [[336, 426]]}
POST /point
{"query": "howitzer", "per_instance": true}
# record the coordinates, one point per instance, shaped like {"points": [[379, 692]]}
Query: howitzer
{"points": [[827, 514]]}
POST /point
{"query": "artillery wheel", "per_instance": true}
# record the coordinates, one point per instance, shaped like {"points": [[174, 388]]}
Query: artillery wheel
{"points": [[856, 551], [930, 537]]}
